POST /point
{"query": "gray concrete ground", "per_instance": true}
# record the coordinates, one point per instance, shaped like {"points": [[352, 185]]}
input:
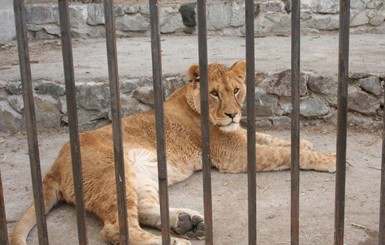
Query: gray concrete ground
{"points": [[319, 54], [229, 195]]}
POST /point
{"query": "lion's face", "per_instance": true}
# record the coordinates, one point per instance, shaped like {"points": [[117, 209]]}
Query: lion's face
{"points": [[227, 91]]}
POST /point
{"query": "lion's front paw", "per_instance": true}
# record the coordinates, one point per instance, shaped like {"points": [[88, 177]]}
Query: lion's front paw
{"points": [[190, 226], [306, 145]]}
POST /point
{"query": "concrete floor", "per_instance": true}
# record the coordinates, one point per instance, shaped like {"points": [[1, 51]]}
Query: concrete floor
{"points": [[229, 195], [319, 55]]}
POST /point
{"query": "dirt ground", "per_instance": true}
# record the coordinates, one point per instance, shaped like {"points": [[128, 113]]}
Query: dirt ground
{"points": [[229, 194]]}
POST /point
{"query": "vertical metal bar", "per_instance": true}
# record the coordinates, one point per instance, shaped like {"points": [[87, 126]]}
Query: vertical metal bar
{"points": [[69, 77], [381, 239], [159, 120], [30, 119], [343, 70], [116, 121], [295, 127], [203, 80], [251, 151], [3, 220]]}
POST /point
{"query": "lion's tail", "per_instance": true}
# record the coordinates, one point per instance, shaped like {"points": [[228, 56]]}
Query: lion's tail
{"points": [[28, 219]]}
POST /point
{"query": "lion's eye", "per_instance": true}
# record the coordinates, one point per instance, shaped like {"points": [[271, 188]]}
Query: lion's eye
{"points": [[236, 90], [214, 93]]}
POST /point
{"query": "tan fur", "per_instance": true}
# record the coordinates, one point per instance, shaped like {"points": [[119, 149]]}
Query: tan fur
{"points": [[183, 137]]}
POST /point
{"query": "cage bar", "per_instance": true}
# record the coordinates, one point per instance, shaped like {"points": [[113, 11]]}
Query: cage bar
{"points": [[159, 120], [203, 81], [381, 239], [69, 78], [251, 141], [30, 119], [343, 76], [116, 120], [295, 126], [3, 220]]}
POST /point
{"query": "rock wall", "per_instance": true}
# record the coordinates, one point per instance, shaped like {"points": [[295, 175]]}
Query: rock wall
{"points": [[272, 99], [318, 100], [272, 17]]}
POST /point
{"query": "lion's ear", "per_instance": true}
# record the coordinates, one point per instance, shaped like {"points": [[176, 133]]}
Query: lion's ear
{"points": [[239, 68], [193, 73]]}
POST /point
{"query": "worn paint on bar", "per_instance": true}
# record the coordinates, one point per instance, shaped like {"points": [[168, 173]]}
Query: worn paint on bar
{"points": [[116, 120]]}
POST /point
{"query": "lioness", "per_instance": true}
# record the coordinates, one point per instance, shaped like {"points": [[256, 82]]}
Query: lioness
{"points": [[183, 136]]}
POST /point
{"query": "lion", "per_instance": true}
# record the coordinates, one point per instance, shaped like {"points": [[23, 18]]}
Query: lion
{"points": [[228, 144]]}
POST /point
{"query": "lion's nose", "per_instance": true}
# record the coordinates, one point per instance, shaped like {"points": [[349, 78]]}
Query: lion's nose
{"points": [[231, 115]]}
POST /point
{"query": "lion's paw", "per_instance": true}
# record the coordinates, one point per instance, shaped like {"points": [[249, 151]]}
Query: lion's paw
{"points": [[178, 241], [327, 163], [190, 226]]}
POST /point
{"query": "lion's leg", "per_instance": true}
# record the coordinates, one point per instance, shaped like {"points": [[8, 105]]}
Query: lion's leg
{"points": [[186, 223], [137, 236], [273, 158], [266, 139], [109, 212]]}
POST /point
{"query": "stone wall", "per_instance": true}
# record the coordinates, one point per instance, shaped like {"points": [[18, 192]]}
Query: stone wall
{"points": [[273, 102], [272, 17], [318, 99]]}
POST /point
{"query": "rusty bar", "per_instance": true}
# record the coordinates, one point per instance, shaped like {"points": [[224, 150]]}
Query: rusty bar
{"points": [[381, 239], [116, 121], [159, 120], [30, 119], [251, 151], [69, 77], [3, 220], [203, 80], [343, 72], [295, 126]]}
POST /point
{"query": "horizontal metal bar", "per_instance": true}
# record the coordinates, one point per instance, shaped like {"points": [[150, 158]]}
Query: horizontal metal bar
{"points": [[69, 78], [116, 121], [30, 119]]}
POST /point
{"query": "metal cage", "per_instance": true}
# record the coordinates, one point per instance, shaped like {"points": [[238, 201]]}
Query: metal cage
{"points": [[25, 71]]}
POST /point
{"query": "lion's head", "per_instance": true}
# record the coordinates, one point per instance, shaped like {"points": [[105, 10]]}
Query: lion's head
{"points": [[227, 90]]}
